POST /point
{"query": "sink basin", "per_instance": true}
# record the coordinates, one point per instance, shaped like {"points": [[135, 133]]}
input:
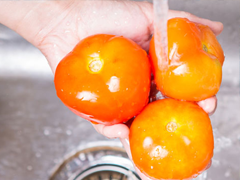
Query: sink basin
{"points": [[37, 130]]}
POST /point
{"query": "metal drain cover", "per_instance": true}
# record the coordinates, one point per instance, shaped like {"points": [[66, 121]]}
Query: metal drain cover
{"points": [[104, 160]]}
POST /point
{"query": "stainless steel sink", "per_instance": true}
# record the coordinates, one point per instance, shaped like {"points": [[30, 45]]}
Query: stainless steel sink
{"points": [[37, 131]]}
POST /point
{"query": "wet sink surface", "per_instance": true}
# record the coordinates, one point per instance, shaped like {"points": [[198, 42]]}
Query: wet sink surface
{"points": [[37, 130]]}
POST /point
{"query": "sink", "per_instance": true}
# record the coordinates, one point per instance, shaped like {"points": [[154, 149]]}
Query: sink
{"points": [[37, 131]]}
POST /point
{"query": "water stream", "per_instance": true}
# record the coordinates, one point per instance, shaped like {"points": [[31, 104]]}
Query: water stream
{"points": [[161, 42], [160, 32]]}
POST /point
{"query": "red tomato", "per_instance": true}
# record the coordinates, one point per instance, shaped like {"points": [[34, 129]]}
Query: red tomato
{"points": [[195, 57], [171, 139], [105, 79]]}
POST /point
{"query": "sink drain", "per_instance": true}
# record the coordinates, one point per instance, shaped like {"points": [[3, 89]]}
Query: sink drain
{"points": [[104, 160], [107, 172]]}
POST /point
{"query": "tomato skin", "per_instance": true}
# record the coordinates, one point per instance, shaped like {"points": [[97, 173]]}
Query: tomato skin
{"points": [[171, 139], [105, 79], [195, 57]]}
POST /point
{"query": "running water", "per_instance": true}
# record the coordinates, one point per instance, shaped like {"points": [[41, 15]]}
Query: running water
{"points": [[161, 42], [160, 32]]}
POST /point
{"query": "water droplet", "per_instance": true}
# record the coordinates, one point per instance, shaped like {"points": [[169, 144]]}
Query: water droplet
{"points": [[38, 155], [227, 173], [147, 142], [125, 22], [82, 156], [68, 132], [117, 23], [90, 157], [222, 143], [29, 168], [68, 23], [159, 152], [115, 13], [215, 163], [87, 96], [62, 90], [113, 84], [151, 167], [94, 12], [46, 132], [54, 45], [67, 31], [126, 89]]}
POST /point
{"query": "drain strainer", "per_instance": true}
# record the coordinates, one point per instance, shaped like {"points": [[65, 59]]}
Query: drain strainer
{"points": [[104, 160]]}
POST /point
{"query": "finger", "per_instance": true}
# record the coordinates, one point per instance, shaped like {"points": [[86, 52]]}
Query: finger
{"points": [[113, 131], [209, 105], [216, 27]]}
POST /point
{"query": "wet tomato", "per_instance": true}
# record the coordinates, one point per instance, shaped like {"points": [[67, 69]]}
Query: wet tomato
{"points": [[195, 60], [105, 79], [171, 139]]}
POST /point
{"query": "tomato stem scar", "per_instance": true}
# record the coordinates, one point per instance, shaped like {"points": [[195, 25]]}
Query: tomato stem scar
{"points": [[205, 48], [171, 126], [95, 65]]}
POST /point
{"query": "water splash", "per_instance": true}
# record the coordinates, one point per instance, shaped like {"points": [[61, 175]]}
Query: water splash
{"points": [[29, 168], [220, 142], [46, 132], [69, 132]]}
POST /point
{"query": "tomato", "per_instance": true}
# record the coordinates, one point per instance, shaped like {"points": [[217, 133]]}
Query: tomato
{"points": [[195, 60], [171, 139], [105, 79]]}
